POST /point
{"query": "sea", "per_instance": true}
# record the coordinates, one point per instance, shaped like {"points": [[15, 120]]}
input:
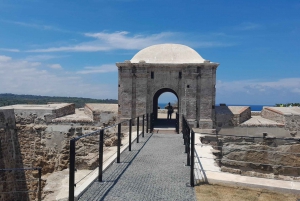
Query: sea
{"points": [[253, 107]]}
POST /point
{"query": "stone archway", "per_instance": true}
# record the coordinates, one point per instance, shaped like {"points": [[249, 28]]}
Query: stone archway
{"points": [[156, 96], [168, 67]]}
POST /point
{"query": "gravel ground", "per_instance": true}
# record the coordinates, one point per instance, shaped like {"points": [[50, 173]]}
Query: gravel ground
{"points": [[154, 170]]}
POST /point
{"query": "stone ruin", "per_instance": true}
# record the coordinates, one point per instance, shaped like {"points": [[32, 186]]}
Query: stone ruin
{"points": [[39, 135], [269, 148]]}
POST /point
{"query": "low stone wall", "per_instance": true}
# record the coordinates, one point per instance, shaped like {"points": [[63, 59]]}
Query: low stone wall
{"points": [[102, 114], [66, 110], [274, 115], [244, 115], [231, 116], [265, 159], [291, 121], [260, 157]]}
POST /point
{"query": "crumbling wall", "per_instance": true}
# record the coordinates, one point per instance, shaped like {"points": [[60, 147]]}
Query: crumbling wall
{"points": [[292, 123], [261, 157]]}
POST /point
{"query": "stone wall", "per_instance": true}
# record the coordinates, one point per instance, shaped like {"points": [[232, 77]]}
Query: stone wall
{"points": [[231, 116], [10, 158], [274, 115], [292, 124], [193, 84], [244, 115], [102, 114], [66, 110], [270, 158], [291, 121], [30, 143], [267, 157]]}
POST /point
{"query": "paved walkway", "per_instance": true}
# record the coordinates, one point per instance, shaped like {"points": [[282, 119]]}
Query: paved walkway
{"points": [[154, 170]]}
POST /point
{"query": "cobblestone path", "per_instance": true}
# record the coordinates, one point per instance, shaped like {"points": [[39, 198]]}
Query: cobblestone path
{"points": [[154, 170]]}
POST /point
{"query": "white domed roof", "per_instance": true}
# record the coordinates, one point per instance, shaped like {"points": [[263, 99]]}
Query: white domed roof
{"points": [[167, 53]]}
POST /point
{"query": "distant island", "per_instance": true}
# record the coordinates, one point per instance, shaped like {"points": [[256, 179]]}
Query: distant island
{"points": [[12, 99]]}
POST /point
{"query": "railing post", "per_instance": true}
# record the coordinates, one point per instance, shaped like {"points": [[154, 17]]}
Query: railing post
{"points": [[119, 143], [137, 129], [188, 147], [143, 125], [72, 170], [100, 169], [177, 122], [40, 185], [192, 158], [147, 124], [152, 123], [183, 127], [130, 133]]}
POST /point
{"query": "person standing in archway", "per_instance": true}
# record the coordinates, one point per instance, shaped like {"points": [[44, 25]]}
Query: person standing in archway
{"points": [[170, 111]]}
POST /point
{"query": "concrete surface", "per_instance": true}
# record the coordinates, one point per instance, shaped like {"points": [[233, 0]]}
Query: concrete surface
{"points": [[153, 170]]}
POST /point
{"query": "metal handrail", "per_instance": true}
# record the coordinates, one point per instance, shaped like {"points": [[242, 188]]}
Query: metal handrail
{"points": [[72, 169], [189, 142]]}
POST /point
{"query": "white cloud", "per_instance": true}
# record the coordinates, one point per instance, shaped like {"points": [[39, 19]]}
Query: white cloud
{"points": [[281, 90], [24, 77], [4, 58], [55, 66], [246, 26], [111, 41], [43, 57], [36, 26], [98, 69], [9, 50]]}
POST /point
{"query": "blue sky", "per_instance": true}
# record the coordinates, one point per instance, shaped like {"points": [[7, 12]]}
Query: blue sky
{"points": [[69, 48]]}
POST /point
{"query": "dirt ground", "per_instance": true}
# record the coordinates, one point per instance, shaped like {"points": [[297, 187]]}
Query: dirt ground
{"points": [[207, 192]]}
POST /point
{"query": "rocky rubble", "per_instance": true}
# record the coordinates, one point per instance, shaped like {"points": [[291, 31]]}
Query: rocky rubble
{"points": [[268, 157], [47, 145]]}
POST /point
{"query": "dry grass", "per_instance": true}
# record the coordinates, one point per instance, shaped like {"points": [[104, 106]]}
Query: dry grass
{"points": [[208, 192]]}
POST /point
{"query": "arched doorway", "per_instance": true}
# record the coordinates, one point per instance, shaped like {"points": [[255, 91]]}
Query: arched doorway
{"points": [[157, 95]]}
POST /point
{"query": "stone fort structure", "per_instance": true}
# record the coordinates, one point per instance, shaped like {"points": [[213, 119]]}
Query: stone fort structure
{"points": [[171, 68]]}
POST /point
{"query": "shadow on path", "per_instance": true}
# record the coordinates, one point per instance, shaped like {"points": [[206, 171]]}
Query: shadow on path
{"points": [[99, 190], [165, 123], [154, 170]]}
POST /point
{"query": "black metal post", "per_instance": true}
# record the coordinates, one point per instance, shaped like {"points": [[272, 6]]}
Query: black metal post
{"points": [[177, 123], [40, 185], [130, 132], [143, 126], [183, 126], [152, 123], [147, 124], [72, 170], [192, 158], [137, 129], [119, 143], [100, 173], [188, 147]]}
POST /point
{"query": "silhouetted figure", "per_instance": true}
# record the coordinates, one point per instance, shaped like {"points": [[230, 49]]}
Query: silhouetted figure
{"points": [[170, 111]]}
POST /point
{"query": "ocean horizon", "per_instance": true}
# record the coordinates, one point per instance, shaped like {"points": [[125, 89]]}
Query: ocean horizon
{"points": [[253, 107]]}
